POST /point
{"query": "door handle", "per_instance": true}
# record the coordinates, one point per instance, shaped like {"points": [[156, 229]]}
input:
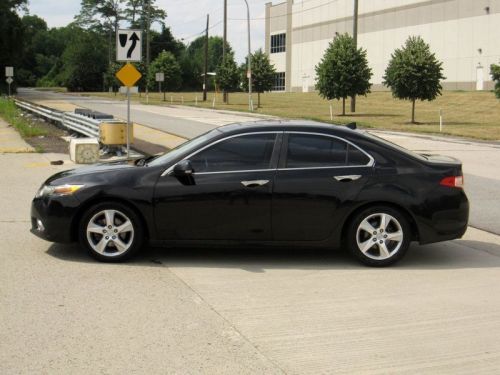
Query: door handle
{"points": [[254, 183], [347, 178]]}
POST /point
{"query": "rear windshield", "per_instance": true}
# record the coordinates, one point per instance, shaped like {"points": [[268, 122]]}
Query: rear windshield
{"points": [[394, 145]]}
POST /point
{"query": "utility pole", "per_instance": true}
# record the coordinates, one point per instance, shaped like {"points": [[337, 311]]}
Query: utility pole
{"points": [[205, 70], [148, 25], [249, 71], [355, 37], [224, 39]]}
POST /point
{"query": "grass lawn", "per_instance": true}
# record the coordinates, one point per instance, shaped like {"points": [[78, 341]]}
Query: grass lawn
{"points": [[10, 113], [466, 114]]}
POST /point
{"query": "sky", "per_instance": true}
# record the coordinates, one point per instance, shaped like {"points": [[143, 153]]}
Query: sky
{"points": [[186, 19]]}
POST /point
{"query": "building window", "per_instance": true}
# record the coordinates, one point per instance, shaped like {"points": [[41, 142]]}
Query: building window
{"points": [[279, 81], [278, 43]]}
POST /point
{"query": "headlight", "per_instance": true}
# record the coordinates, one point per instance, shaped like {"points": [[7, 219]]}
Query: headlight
{"points": [[57, 190]]}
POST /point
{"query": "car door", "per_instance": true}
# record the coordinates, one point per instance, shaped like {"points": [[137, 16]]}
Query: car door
{"points": [[229, 196], [317, 174]]}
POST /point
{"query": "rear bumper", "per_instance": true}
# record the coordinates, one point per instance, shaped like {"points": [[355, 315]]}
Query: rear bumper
{"points": [[448, 219]]}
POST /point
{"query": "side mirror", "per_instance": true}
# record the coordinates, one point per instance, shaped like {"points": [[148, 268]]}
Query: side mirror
{"points": [[183, 169]]}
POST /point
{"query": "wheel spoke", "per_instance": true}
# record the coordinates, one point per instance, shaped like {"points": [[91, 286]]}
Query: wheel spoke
{"points": [[395, 236], [366, 246], [110, 217], [384, 252], [367, 227], [120, 245], [384, 221], [95, 228], [125, 227], [101, 245]]}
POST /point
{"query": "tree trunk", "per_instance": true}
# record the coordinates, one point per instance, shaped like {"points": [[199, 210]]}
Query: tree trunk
{"points": [[227, 98], [258, 100], [413, 112], [343, 106]]}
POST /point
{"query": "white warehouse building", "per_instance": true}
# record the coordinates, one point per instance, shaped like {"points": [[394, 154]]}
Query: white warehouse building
{"points": [[464, 35]]}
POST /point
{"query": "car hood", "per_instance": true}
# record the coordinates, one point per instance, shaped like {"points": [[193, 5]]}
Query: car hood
{"points": [[101, 168]]}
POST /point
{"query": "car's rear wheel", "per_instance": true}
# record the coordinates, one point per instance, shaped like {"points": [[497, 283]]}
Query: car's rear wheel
{"points": [[379, 236], [111, 232]]}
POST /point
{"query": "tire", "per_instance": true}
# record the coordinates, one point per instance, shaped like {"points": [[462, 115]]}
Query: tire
{"points": [[378, 236], [111, 232]]}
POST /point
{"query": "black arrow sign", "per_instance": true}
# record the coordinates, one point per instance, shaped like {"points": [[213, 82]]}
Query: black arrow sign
{"points": [[134, 38]]}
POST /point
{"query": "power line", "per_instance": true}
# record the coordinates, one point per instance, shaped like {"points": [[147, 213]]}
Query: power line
{"points": [[203, 31]]}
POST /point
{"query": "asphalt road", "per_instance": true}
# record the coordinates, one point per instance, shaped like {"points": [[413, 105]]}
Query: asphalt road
{"points": [[480, 159], [233, 311]]}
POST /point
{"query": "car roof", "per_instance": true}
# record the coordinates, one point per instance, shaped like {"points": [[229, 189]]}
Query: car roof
{"points": [[286, 125]]}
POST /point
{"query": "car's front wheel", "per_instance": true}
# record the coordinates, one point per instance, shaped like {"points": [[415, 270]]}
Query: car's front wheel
{"points": [[379, 236], [111, 232]]}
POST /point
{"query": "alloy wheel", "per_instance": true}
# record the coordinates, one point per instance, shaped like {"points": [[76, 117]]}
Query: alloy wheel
{"points": [[110, 233], [379, 236]]}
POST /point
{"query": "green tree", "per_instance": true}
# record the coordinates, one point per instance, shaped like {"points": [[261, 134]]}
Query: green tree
{"points": [[193, 59], [262, 74], [102, 16], [29, 72], [12, 36], [414, 73], [165, 41], [84, 62], [343, 71], [167, 64], [495, 74], [228, 75], [139, 12]]}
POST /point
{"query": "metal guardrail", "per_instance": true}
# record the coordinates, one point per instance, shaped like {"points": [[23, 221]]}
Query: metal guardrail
{"points": [[78, 123]]}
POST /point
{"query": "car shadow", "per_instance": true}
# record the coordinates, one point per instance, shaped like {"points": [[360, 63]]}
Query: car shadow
{"points": [[456, 254]]}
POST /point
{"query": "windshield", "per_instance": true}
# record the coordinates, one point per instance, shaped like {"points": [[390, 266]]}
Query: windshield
{"points": [[394, 145], [185, 147]]}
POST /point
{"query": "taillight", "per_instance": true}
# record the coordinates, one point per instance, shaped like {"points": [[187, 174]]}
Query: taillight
{"points": [[453, 181]]}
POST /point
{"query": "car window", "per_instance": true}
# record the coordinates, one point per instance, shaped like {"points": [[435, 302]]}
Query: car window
{"points": [[356, 157], [247, 152], [307, 150]]}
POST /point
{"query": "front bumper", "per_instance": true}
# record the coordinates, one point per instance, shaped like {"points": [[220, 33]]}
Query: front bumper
{"points": [[52, 218]]}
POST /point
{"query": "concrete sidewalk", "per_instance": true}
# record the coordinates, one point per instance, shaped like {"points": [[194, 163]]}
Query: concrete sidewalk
{"points": [[11, 141]]}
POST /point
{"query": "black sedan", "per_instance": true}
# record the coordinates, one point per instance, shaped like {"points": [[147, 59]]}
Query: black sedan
{"points": [[287, 183]]}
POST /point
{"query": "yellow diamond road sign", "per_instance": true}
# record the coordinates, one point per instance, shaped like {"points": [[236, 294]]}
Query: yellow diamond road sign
{"points": [[128, 75]]}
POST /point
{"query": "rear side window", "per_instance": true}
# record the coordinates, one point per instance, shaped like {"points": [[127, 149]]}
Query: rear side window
{"points": [[307, 150], [247, 152], [356, 157]]}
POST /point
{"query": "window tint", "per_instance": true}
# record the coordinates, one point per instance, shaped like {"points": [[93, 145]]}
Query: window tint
{"points": [[246, 152], [356, 157], [306, 150]]}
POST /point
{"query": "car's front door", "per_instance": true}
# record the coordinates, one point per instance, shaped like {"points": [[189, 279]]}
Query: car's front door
{"points": [[317, 173], [228, 196]]}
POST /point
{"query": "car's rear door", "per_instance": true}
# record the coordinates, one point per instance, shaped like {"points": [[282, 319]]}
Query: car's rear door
{"points": [[317, 173], [230, 194]]}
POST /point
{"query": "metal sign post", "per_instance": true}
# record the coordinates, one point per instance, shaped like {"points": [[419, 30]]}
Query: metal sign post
{"points": [[9, 80], [9, 73], [128, 48], [160, 77], [128, 75], [128, 122]]}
